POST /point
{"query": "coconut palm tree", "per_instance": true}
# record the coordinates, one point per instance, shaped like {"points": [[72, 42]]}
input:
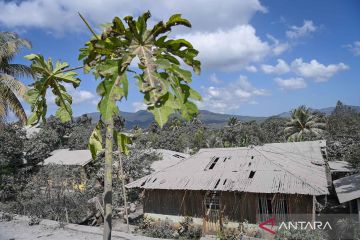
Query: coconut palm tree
{"points": [[304, 123], [233, 121], [10, 87]]}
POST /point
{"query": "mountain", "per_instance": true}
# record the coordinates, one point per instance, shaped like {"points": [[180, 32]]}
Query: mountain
{"points": [[143, 118], [327, 111]]}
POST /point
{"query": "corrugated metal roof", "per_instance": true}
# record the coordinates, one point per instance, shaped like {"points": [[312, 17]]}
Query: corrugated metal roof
{"points": [[340, 166], [169, 158], [272, 168], [348, 188], [67, 157]]}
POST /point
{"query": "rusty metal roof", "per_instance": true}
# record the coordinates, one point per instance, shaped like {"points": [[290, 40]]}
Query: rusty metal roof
{"points": [[294, 168]]}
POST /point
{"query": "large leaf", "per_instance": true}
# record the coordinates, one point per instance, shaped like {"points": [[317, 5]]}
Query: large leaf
{"points": [[50, 77], [95, 141], [111, 92], [122, 141], [162, 80]]}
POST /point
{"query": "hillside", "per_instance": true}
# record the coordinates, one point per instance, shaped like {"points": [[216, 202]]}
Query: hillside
{"points": [[143, 118]]}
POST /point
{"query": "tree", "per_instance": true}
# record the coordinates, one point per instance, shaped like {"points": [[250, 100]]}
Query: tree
{"points": [[10, 87], [303, 123], [163, 82], [273, 129], [344, 122], [80, 133], [40, 145], [233, 121], [11, 149]]}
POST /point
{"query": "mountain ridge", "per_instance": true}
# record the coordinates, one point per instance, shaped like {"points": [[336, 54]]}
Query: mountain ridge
{"points": [[143, 118]]}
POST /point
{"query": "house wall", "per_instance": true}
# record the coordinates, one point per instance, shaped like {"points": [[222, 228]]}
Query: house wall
{"points": [[236, 207]]}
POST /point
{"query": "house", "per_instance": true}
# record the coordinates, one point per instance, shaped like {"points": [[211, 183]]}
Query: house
{"points": [[168, 158], [233, 185], [68, 157], [340, 169], [348, 191], [71, 159]]}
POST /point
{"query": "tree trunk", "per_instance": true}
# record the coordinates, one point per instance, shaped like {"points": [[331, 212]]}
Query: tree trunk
{"points": [[108, 179], [124, 191]]}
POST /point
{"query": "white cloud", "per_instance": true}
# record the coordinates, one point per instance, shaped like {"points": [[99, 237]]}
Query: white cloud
{"points": [[61, 15], [312, 70], [231, 96], [315, 70], [245, 47], [137, 106], [354, 48], [251, 68], [291, 83], [277, 46], [80, 96], [214, 79], [280, 68], [298, 32]]}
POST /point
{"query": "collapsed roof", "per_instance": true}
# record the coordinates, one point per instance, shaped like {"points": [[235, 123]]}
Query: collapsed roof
{"points": [[292, 168]]}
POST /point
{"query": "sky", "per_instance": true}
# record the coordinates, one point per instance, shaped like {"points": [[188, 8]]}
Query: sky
{"points": [[259, 58]]}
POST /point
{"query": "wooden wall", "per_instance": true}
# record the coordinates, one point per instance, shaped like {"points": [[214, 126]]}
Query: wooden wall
{"points": [[236, 207]]}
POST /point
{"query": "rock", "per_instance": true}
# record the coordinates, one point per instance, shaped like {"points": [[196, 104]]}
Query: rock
{"points": [[132, 207], [175, 235], [134, 217]]}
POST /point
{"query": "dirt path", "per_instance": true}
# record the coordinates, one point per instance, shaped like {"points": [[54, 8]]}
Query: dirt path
{"points": [[19, 229]]}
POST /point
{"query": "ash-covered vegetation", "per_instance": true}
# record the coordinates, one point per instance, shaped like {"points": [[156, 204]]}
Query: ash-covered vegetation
{"points": [[63, 193]]}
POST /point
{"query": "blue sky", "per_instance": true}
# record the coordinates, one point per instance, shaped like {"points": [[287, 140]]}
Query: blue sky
{"points": [[259, 57]]}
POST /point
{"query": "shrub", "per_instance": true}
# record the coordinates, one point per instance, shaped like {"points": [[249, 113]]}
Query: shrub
{"points": [[166, 229], [298, 234]]}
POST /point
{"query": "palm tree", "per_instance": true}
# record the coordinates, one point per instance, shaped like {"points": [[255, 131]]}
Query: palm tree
{"points": [[233, 121], [304, 123], [10, 87]]}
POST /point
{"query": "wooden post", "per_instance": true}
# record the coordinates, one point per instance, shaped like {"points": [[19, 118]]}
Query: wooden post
{"points": [[313, 208], [358, 207]]}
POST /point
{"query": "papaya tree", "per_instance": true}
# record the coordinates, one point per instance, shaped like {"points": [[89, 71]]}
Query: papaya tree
{"points": [[160, 77]]}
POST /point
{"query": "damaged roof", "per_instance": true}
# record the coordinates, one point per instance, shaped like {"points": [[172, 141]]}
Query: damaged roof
{"points": [[348, 188], [169, 158], [67, 157], [293, 168], [341, 167]]}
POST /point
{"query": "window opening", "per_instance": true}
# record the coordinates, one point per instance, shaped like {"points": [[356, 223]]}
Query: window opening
{"points": [[252, 173]]}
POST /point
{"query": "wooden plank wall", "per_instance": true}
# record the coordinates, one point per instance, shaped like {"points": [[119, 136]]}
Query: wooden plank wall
{"points": [[236, 207]]}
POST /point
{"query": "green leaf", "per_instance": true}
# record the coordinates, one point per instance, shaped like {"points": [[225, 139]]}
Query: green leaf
{"points": [[181, 73], [32, 119], [95, 141], [48, 77], [122, 140], [194, 95], [64, 112], [176, 19], [110, 92], [161, 113], [31, 96]]}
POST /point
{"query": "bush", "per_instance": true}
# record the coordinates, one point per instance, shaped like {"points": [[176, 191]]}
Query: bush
{"points": [[166, 229], [54, 193], [298, 234]]}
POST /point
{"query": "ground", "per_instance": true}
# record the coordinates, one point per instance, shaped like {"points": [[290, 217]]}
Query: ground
{"points": [[19, 229]]}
